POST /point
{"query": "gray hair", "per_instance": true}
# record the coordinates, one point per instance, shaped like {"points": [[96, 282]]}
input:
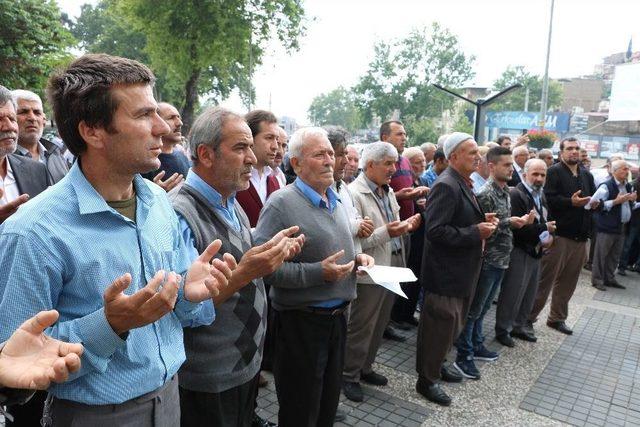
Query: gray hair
{"points": [[614, 157], [25, 95], [519, 150], [300, 137], [617, 164], [442, 139], [491, 144], [207, 129], [5, 96], [377, 152], [545, 152], [532, 162], [412, 152], [430, 145]]}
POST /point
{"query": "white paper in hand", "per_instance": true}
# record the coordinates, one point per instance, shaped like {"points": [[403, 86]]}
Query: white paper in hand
{"points": [[390, 277]]}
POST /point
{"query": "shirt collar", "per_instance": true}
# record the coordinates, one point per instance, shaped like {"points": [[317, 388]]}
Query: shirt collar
{"points": [[314, 197], [212, 196], [504, 190], [266, 171], [23, 151], [373, 186], [535, 193]]}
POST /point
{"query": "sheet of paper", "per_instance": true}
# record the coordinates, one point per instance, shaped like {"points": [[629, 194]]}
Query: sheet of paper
{"points": [[383, 274], [395, 288]]}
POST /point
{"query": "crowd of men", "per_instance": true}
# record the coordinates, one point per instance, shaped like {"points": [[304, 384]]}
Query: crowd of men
{"points": [[167, 272]]}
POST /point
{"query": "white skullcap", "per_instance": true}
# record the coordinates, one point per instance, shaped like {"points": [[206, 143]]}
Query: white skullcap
{"points": [[452, 142]]}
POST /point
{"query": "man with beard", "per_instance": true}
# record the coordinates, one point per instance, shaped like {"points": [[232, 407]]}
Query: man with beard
{"points": [[520, 282], [456, 231], [219, 380], [31, 120], [20, 177], [266, 132], [568, 190]]}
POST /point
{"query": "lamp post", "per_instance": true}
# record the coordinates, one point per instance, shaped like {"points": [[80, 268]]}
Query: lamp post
{"points": [[545, 81]]}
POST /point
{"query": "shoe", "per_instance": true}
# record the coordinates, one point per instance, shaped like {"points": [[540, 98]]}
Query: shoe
{"points": [[262, 381], [393, 335], [467, 369], [561, 327], [505, 340], [340, 416], [622, 272], [433, 392], [261, 422], [524, 336], [352, 391], [599, 286], [484, 354], [614, 284], [587, 267], [403, 326], [374, 378], [449, 375], [412, 321]]}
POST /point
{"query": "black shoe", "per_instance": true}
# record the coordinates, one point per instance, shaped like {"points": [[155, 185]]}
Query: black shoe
{"points": [[403, 326], [374, 378], [433, 392], [524, 336], [449, 375], [599, 286], [340, 416], [352, 391], [505, 340], [393, 335], [261, 422], [622, 272], [614, 284], [560, 327]]}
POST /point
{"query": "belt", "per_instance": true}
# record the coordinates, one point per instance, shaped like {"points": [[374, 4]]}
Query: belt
{"points": [[398, 252], [326, 311]]}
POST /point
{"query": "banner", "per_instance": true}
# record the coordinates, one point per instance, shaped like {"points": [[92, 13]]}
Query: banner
{"points": [[555, 122], [625, 93]]}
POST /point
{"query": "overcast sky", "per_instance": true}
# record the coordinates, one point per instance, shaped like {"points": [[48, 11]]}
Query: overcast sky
{"points": [[339, 41]]}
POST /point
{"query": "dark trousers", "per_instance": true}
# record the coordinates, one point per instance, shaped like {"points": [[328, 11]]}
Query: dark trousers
{"points": [[309, 356], [267, 352], [441, 321], [30, 413], [632, 237], [233, 407]]}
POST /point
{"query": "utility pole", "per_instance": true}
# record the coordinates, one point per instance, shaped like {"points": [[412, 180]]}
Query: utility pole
{"points": [[545, 81]]}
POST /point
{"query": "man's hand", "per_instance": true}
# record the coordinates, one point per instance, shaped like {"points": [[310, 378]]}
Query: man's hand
{"points": [[531, 217], [551, 226], [32, 360], [266, 258], [126, 312], [632, 197], [397, 228], [365, 260], [492, 218], [409, 193], [332, 272], [10, 208], [518, 221], [522, 140], [578, 201], [424, 190], [486, 229], [413, 222], [169, 183], [208, 275], [366, 227]]}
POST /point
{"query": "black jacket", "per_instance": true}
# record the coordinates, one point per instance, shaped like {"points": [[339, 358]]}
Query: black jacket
{"points": [[528, 237], [453, 248]]}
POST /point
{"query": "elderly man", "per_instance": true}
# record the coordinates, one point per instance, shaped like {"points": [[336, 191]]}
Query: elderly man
{"points": [[456, 228], [520, 281], [481, 175], [520, 157], [547, 156], [133, 342], [20, 177], [617, 200], [311, 292], [353, 164], [31, 121], [219, 380], [371, 310], [428, 149], [266, 132], [568, 189]]}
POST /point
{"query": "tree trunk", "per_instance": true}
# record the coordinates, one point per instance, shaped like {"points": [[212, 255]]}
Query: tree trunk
{"points": [[190, 101]]}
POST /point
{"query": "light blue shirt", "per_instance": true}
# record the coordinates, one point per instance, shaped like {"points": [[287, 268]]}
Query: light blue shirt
{"points": [[478, 182], [316, 199], [429, 176], [62, 250]]}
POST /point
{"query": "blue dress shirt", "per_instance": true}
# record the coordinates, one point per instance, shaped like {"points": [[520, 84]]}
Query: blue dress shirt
{"points": [[62, 249], [429, 176]]}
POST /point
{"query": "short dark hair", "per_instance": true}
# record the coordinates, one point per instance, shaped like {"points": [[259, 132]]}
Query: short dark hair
{"points": [[502, 138], [439, 155], [255, 117], [385, 128], [337, 137], [82, 92], [568, 139], [494, 153]]}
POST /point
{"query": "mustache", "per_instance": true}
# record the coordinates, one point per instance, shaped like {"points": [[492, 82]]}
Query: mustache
{"points": [[12, 135], [247, 169]]}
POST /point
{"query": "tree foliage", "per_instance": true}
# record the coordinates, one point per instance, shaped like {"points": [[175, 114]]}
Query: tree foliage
{"points": [[33, 42], [515, 101], [335, 108], [399, 78]]}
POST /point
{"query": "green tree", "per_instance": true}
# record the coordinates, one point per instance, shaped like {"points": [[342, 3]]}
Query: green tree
{"points": [[462, 123], [33, 42], [420, 131], [211, 47], [515, 101], [335, 108], [401, 73]]}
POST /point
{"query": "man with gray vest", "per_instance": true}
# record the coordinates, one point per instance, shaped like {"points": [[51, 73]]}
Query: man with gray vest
{"points": [[219, 380], [311, 292]]}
